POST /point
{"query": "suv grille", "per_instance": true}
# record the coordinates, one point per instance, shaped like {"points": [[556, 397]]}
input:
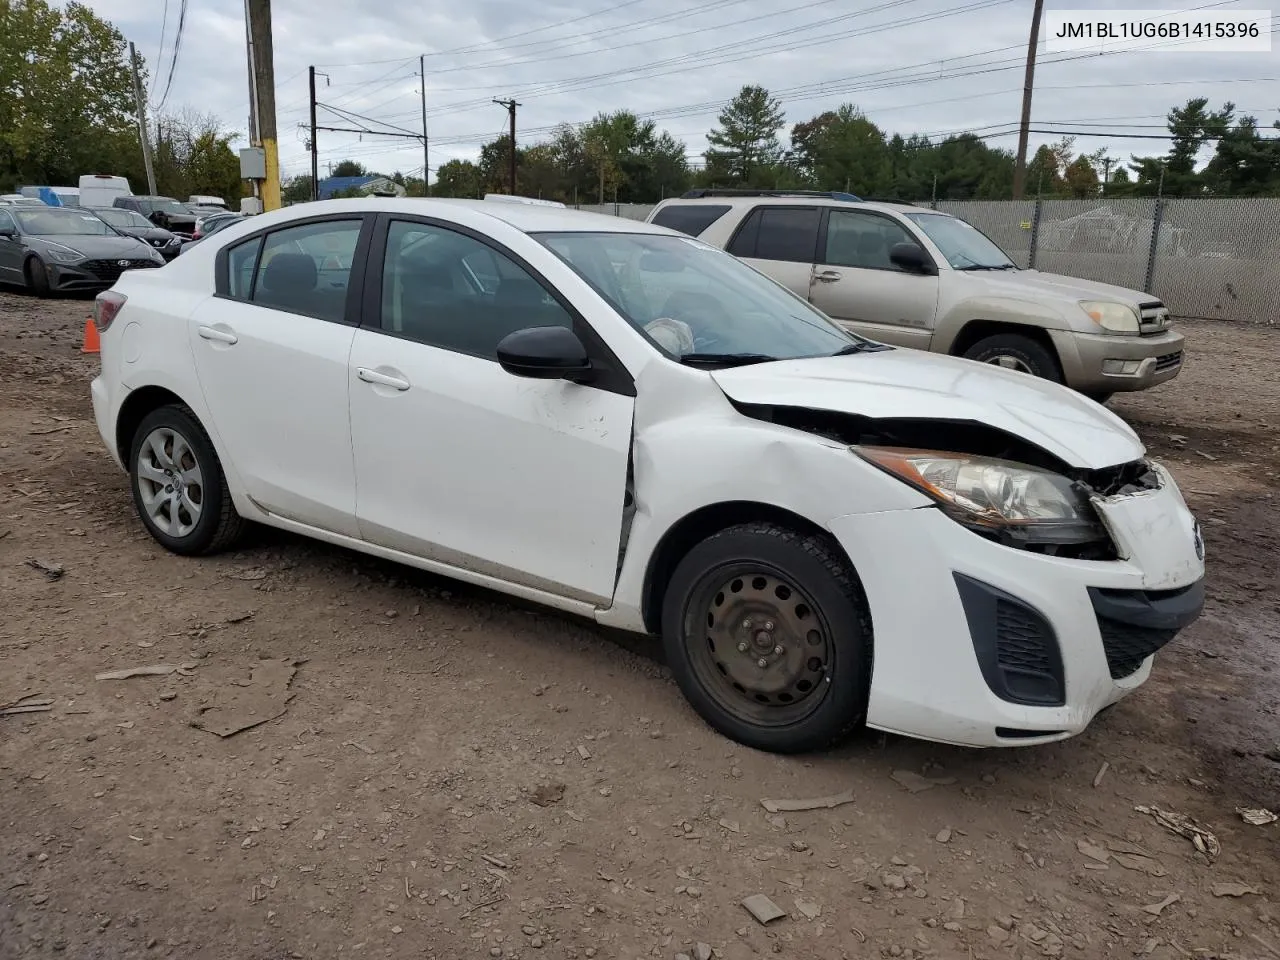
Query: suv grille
{"points": [[109, 270], [1168, 362], [1154, 318]]}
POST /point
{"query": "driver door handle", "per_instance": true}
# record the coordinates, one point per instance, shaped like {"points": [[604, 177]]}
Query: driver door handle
{"points": [[381, 379], [827, 276]]}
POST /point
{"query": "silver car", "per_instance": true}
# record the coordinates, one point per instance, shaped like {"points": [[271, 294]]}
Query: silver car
{"points": [[54, 249]]}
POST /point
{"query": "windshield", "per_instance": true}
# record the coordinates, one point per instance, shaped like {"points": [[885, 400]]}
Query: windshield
{"points": [[964, 245], [124, 218], [691, 299], [165, 205], [59, 222]]}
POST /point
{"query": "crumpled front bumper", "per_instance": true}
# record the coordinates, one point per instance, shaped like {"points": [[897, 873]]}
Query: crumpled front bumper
{"points": [[969, 634]]}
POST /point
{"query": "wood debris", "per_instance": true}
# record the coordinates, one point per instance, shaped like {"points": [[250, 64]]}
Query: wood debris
{"points": [[813, 803]]}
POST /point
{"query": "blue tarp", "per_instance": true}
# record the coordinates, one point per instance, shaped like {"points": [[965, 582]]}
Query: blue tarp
{"points": [[49, 197]]}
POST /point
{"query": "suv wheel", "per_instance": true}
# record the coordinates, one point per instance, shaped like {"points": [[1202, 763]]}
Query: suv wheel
{"points": [[1013, 351]]}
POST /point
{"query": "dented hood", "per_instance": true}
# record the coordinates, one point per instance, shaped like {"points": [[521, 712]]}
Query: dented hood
{"points": [[910, 384]]}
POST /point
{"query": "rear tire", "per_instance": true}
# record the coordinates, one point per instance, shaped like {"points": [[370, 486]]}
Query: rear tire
{"points": [[179, 489], [37, 277], [761, 593], [1014, 351], [1100, 397]]}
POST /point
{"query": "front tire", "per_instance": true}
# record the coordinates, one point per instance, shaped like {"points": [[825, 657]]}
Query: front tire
{"points": [[179, 489], [37, 277], [1014, 351], [767, 633]]}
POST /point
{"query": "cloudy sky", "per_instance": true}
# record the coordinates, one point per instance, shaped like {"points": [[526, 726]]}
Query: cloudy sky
{"points": [[928, 66]]}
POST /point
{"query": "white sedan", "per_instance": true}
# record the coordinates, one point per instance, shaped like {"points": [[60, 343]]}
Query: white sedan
{"points": [[619, 421]]}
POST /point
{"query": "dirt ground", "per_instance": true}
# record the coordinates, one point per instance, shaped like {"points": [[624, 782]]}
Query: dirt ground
{"points": [[455, 775]]}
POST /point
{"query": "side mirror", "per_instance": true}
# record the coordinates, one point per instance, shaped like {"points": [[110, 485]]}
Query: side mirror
{"points": [[912, 258], [544, 353], [8, 232]]}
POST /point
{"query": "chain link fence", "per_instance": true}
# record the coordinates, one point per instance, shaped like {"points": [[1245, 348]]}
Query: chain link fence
{"points": [[1212, 259]]}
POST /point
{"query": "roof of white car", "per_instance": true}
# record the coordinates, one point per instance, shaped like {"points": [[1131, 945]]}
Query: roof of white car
{"points": [[526, 217], [801, 200]]}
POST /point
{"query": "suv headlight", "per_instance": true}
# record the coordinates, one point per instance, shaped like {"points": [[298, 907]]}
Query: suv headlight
{"points": [[1112, 317], [1009, 501], [65, 254]]}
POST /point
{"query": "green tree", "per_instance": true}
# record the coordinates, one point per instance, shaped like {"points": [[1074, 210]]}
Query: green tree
{"points": [[457, 178], [296, 189], [1192, 126], [1245, 164], [66, 94], [349, 168], [849, 152], [745, 146], [1081, 179]]}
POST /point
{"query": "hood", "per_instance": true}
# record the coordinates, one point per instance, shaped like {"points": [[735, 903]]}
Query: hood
{"points": [[157, 237], [910, 384], [97, 248], [1024, 283]]}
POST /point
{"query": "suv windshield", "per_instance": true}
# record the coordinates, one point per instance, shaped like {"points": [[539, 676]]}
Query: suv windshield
{"points": [[964, 245], [124, 218], [696, 302], [169, 206], [59, 222]]}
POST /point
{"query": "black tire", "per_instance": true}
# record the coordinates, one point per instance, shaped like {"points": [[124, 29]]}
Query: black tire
{"points": [[1029, 354], [764, 558], [36, 277], [218, 526], [1099, 397]]}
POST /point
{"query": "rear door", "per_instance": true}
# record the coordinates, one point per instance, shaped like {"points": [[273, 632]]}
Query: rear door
{"points": [[271, 351], [781, 242], [856, 283]]}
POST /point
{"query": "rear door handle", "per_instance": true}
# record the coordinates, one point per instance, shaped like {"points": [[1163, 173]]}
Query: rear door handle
{"points": [[381, 379], [218, 334], [828, 276]]}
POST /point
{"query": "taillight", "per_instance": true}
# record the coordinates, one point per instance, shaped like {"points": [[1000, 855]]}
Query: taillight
{"points": [[105, 307]]}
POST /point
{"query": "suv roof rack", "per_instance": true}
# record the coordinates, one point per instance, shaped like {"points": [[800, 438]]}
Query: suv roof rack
{"points": [[898, 200], [726, 192]]}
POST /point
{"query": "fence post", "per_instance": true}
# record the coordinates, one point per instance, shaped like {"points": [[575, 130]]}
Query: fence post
{"points": [[1035, 235], [1156, 216]]}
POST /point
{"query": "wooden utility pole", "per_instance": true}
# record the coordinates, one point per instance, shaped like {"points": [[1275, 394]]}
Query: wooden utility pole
{"points": [[264, 88], [315, 156], [1106, 174], [1020, 168], [142, 121], [511, 110], [426, 156]]}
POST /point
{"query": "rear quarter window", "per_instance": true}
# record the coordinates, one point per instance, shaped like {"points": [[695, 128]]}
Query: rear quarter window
{"points": [[690, 218]]}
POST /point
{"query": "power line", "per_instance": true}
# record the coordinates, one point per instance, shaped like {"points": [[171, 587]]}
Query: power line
{"points": [[177, 48], [164, 23]]}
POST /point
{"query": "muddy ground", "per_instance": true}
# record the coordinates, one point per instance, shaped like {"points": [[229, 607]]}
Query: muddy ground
{"points": [[407, 800]]}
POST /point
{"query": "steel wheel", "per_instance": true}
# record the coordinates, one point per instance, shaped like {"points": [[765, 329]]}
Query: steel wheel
{"points": [[170, 482], [758, 644], [1009, 363]]}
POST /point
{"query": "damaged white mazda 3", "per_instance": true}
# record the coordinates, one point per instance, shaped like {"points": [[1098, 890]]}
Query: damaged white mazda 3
{"points": [[619, 421]]}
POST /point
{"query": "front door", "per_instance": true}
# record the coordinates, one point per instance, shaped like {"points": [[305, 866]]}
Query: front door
{"points": [[458, 461], [271, 354], [10, 251], [855, 282]]}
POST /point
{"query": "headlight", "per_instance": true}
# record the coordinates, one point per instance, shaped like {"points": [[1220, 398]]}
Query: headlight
{"points": [[999, 498], [1112, 317], [65, 254]]}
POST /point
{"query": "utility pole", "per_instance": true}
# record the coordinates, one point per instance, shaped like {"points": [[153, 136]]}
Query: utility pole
{"points": [[511, 110], [426, 156], [1106, 174], [142, 121], [1020, 168], [264, 87], [315, 156]]}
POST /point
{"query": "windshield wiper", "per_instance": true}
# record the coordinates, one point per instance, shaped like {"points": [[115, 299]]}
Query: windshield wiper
{"points": [[865, 346], [988, 266], [725, 359]]}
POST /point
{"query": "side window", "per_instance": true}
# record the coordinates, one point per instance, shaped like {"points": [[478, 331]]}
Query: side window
{"points": [[743, 243], [862, 240], [788, 233], [240, 263], [445, 289], [690, 218], [306, 269], [6, 221]]}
